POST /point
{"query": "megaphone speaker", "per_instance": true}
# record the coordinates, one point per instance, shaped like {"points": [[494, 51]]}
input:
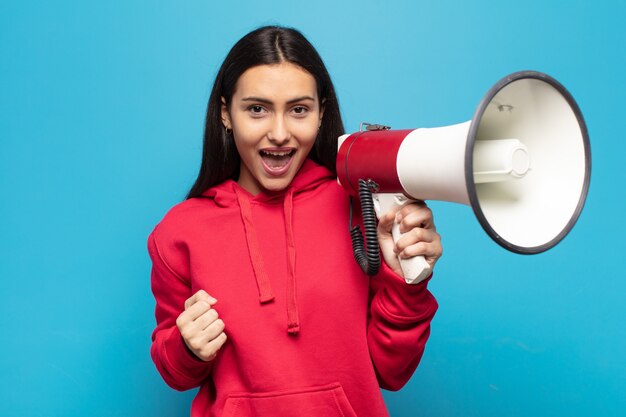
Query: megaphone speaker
{"points": [[523, 164]]}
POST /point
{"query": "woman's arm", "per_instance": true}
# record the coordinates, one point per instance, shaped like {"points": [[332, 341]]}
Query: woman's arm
{"points": [[400, 314], [399, 326], [180, 368]]}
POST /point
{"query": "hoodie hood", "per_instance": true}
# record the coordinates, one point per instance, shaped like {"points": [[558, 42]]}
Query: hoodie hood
{"points": [[230, 193], [309, 177]]}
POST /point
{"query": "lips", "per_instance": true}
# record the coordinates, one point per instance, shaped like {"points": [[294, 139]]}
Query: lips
{"points": [[277, 161]]}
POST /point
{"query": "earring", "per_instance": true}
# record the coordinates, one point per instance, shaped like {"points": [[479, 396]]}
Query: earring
{"points": [[228, 131]]}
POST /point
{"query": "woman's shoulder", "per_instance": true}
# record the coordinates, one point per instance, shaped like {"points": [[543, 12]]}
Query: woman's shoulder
{"points": [[184, 217]]}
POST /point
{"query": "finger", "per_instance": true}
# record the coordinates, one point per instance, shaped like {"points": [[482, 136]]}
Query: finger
{"points": [[217, 342], [206, 349], [200, 295], [385, 222], [413, 236], [196, 310], [416, 216], [429, 250], [195, 298], [413, 205], [198, 337], [210, 350], [206, 319], [213, 330]]}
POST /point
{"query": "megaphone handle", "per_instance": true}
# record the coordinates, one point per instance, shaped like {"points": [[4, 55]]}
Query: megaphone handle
{"points": [[414, 269]]}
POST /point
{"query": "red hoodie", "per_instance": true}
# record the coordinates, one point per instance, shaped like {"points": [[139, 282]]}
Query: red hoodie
{"points": [[308, 333]]}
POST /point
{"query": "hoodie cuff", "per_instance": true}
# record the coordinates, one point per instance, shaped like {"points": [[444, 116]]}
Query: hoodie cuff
{"points": [[181, 358], [402, 300]]}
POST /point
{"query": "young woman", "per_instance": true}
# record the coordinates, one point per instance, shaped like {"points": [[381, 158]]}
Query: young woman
{"points": [[299, 329]]}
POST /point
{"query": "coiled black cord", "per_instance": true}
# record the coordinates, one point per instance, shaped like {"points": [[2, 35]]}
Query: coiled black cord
{"points": [[367, 253]]}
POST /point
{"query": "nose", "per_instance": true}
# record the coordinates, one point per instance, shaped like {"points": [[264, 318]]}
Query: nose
{"points": [[279, 132]]}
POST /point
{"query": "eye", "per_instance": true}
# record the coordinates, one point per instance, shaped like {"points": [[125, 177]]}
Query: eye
{"points": [[256, 110], [300, 110]]}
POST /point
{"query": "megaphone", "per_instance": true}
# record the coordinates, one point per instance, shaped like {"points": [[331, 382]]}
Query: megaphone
{"points": [[523, 164]]}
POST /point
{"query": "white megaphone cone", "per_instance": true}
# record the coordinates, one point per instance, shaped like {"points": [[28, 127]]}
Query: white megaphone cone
{"points": [[522, 163]]}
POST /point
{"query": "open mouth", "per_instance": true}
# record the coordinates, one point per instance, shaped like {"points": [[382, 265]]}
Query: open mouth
{"points": [[277, 160]]}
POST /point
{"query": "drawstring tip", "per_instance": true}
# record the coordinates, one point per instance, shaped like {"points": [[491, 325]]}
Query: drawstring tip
{"points": [[293, 329], [266, 298]]}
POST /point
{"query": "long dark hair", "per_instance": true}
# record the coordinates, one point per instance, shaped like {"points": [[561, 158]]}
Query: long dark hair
{"points": [[264, 46]]}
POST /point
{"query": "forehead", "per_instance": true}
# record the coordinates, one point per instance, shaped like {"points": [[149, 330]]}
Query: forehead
{"points": [[276, 81]]}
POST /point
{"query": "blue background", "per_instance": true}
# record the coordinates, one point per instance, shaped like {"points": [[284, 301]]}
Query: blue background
{"points": [[101, 115]]}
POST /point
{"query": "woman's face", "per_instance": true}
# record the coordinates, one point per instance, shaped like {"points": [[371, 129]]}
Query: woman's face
{"points": [[274, 114]]}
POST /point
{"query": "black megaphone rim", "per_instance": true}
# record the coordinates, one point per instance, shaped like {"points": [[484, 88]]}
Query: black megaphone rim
{"points": [[469, 163]]}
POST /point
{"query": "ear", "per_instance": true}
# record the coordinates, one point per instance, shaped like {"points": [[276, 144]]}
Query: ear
{"points": [[226, 115]]}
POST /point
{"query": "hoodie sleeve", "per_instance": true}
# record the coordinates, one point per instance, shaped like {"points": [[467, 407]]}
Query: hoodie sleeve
{"points": [[178, 366], [398, 327]]}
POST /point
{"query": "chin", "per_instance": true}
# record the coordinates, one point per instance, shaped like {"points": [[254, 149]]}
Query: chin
{"points": [[280, 183], [277, 185]]}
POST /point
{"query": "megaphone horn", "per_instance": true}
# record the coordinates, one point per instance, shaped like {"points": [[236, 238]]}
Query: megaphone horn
{"points": [[523, 164]]}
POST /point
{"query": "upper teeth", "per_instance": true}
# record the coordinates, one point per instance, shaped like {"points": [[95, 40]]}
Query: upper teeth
{"points": [[277, 153]]}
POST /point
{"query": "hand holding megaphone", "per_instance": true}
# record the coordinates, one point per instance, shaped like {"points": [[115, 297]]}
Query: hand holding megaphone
{"points": [[523, 163], [416, 268]]}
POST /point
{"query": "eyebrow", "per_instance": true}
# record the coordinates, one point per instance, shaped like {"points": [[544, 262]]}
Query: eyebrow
{"points": [[266, 101]]}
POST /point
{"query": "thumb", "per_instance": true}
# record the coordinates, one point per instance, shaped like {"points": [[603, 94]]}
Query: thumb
{"points": [[385, 223], [203, 295]]}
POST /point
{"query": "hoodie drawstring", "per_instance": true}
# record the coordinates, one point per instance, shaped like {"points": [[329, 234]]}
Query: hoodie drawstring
{"points": [[293, 324], [258, 266], [262, 281]]}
